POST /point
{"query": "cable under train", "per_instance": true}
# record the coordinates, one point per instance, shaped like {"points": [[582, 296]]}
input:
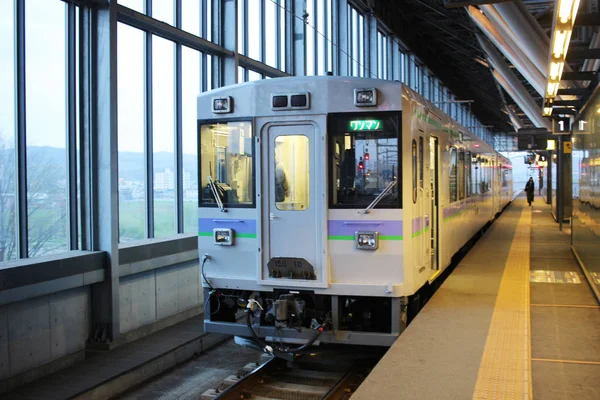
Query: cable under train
{"points": [[327, 203]]}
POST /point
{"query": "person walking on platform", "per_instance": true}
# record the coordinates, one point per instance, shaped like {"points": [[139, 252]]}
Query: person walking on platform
{"points": [[530, 190]]}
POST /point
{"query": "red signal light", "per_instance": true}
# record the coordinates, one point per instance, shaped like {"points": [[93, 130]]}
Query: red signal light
{"points": [[361, 165], [367, 156]]}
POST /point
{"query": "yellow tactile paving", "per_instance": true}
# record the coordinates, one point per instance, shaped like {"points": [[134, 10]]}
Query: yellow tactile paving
{"points": [[505, 369]]}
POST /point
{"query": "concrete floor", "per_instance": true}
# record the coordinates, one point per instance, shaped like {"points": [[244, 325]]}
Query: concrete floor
{"points": [[565, 319]]}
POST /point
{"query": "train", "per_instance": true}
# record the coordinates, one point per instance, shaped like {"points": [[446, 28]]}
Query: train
{"points": [[327, 203]]}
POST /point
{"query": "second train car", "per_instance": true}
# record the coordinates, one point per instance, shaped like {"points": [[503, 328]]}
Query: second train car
{"points": [[325, 203]]}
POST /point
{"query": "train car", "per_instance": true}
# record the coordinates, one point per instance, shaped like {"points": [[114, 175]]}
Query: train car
{"points": [[326, 203]]}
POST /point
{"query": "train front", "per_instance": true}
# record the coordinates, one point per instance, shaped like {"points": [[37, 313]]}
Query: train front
{"points": [[300, 217]]}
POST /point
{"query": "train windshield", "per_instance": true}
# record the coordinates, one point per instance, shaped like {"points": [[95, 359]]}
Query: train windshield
{"points": [[364, 154], [227, 160]]}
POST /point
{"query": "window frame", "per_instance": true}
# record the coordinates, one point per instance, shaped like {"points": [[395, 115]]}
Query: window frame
{"points": [[201, 122], [455, 150], [414, 164], [330, 149]]}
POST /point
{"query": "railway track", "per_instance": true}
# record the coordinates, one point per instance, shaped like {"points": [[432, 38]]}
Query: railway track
{"points": [[278, 379]]}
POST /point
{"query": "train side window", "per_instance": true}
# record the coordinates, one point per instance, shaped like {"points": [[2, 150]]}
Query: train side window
{"points": [[468, 173], [227, 156], [292, 175], [461, 174], [453, 175], [421, 150], [414, 171]]}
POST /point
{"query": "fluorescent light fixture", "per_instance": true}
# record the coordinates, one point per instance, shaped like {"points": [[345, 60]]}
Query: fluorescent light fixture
{"points": [[551, 89], [564, 10], [556, 69], [558, 45], [547, 111], [550, 144]]}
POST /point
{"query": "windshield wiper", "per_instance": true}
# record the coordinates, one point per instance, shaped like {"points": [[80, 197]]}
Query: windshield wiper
{"points": [[213, 188], [377, 199]]}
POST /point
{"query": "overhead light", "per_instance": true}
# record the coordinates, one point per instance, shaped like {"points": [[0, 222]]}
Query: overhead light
{"points": [[567, 10], [551, 90], [556, 69], [550, 144], [559, 43], [547, 111]]}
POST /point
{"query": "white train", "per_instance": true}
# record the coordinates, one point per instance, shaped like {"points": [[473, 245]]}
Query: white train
{"points": [[327, 203]]}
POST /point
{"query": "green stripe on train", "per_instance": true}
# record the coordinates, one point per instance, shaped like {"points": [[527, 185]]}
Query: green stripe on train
{"points": [[239, 235]]}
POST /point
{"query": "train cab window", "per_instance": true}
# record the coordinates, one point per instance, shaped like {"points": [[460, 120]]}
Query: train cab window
{"points": [[227, 157], [291, 173], [453, 175], [368, 162], [461, 174]]}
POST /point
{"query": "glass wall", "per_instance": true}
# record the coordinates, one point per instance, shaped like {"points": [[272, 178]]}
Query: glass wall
{"points": [[586, 190]]}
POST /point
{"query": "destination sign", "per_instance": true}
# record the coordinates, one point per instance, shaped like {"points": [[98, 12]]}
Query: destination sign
{"points": [[365, 125]]}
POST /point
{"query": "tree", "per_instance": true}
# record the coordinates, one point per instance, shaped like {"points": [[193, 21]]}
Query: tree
{"points": [[46, 201]]}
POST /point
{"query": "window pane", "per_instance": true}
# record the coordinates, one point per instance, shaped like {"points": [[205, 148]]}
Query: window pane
{"points": [[45, 29], [163, 116], [254, 76], [271, 33], [190, 90], [365, 160], [164, 10], [421, 145], [461, 174], [468, 173], [321, 32], [137, 5], [190, 16], [132, 215], [414, 170], [226, 154], [310, 38], [355, 49], [254, 29], [8, 189], [453, 174], [292, 177]]}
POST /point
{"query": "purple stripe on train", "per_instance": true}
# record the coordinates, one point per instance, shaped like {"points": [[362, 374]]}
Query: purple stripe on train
{"points": [[244, 226], [349, 227]]}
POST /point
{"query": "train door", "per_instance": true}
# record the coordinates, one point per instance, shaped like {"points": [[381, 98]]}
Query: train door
{"points": [[434, 221], [290, 216], [422, 203]]}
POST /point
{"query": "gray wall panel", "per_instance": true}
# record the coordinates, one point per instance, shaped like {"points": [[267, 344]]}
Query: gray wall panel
{"points": [[4, 360], [69, 321], [29, 334], [125, 304], [188, 286], [143, 300], [166, 292]]}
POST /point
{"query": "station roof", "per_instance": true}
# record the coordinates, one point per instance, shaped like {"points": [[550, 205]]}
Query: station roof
{"points": [[444, 38]]}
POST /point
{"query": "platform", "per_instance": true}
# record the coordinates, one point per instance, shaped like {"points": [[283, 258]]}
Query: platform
{"points": [[515, 320]]}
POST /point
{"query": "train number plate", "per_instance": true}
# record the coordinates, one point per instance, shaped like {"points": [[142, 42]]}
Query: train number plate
{"points": [[291, 268]]}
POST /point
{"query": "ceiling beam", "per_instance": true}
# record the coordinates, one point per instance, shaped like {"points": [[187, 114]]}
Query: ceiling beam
{"points": [[578, 76], [585, 53], [464, 3]]}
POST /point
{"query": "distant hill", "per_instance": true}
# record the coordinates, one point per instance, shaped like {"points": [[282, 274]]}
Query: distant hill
{"points": [[131, 164]]}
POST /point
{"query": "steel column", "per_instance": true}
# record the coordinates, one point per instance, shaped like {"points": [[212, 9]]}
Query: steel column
{"points": [[72, 127], [21, 222], [341, 64], [179, 225], [218, 63], [229, 39], [371, 46], [148, 131], [105, 186], [299, 39]]}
